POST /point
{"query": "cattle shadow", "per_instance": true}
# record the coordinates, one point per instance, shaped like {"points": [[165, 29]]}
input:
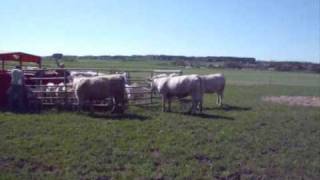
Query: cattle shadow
{"points": [[226, 107], [125, 116], [212, 116], [206, 116]]}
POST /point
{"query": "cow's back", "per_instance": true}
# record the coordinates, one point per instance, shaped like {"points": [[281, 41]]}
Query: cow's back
{"points": [[184, 85], [100, 87]]}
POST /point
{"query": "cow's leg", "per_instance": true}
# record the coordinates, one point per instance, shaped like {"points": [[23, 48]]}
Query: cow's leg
{"points": [[220, 97], [169, 104], [193, 104], [80, 105], [193, 107], [81, 100], [163, 103], [200, 105], [116, 108], [121, 105], [91, 107], [114, 105]]}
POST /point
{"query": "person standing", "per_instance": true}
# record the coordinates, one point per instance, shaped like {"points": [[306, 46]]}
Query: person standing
{"points": [[16, 90]]}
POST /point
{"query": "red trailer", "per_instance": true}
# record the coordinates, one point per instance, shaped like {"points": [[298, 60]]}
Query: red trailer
{"points": [[5, 77]]}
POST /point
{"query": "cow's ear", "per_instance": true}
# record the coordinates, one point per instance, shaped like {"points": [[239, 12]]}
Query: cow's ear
{"points": [[149, 79]]}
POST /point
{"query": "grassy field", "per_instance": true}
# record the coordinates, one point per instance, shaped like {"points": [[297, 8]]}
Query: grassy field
{"points": [[237, 77], [247, 138]]}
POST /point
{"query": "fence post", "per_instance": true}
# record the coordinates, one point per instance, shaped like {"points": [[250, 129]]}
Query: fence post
{"points": [[151, 94], [41, 88], [65, 89], [128, 78]]}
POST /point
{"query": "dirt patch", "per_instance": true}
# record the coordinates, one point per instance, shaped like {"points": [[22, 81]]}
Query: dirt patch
{"points": [[11, 163], [307, 101]]}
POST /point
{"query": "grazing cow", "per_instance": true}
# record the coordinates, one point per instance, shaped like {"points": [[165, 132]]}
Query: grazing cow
{"points": [[99, 88], [179, 86], [214, 83]]}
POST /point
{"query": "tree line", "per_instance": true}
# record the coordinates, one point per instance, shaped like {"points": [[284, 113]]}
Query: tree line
{"points": [[209, 61]]}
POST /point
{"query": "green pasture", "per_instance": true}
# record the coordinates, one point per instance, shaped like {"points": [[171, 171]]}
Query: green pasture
{"points": [[236, 77], [247, 138]]}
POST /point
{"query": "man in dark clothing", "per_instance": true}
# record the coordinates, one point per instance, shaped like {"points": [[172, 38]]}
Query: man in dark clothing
{"points": [[16, 91]]}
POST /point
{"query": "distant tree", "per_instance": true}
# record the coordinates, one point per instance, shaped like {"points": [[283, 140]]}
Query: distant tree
{"points": [[57, 56]]}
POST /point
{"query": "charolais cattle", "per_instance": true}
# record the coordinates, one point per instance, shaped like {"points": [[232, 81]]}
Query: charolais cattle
{"points": [[164, 75], [83, 73], [214, 83], [99, 88], [180, 87]]}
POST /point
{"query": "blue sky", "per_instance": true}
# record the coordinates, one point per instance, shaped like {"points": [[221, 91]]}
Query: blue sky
{"points": [[268, 30]]}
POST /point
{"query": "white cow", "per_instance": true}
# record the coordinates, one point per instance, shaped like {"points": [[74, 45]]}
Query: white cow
{"points": [[76, 81], [165, 75], [83, 73], [49, 91], [214, 83], [179, 86], [100, 88]]}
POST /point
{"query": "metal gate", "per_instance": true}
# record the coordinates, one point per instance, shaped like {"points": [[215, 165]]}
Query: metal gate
{"points": [[57, 90]]}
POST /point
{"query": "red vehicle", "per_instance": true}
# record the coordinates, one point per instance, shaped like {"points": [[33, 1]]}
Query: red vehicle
{"points": [[5, 76]]}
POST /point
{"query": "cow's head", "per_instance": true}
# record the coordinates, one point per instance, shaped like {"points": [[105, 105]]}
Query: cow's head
{"points": [[152, 86], [155, 82]]}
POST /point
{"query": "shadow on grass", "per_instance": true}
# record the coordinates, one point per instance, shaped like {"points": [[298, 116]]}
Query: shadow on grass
{"points": [[128, 116], [212, 116], [206, 116], [3, 110], [226, 107]]}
